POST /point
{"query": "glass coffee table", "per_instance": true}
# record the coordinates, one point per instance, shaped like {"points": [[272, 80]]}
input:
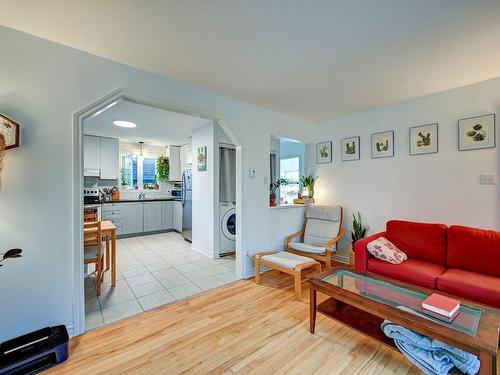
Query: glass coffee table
{"points": [[363, 302]]}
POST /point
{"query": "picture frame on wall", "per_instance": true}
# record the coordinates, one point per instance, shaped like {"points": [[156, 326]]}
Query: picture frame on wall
{"points": [[383, 144], [350, 148], [324, 152], [424, 139], [201, 159], [477, 132]]}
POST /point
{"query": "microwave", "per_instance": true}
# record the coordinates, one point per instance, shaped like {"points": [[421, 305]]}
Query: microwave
{"points": [[176, 193]]}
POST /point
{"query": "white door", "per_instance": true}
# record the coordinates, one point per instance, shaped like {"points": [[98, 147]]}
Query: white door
{"points": [[153, 216], [133, 218], [110, 164]]}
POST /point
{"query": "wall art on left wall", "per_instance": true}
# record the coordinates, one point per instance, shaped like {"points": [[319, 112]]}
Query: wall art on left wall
{"points": [[10, 131], [476, 132]]}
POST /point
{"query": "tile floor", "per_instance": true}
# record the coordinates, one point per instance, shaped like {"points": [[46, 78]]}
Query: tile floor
{"points": [[153, 271]]}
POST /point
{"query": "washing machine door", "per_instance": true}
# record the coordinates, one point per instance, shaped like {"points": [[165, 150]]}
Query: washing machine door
{"points": [[229, 224]]}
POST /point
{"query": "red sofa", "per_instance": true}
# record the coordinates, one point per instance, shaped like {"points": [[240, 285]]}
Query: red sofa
{"points": [[458, 260]]}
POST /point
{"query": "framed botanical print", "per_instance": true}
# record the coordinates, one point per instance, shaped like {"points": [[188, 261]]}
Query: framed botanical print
{"points": [[201, 159], [9, 133], [324, 152], [424, 139], [383, 144], [476, 132], [350, 148]]}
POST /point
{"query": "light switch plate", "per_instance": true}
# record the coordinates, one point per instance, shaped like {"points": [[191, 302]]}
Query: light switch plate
{"points": [[487, 179], [251, 172]]}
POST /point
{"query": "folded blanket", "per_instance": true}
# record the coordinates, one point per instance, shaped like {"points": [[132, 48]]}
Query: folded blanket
{"points": [[431, 356]]}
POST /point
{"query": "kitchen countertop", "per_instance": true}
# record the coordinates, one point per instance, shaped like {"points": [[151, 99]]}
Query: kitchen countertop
{"points": [[143, 200]]}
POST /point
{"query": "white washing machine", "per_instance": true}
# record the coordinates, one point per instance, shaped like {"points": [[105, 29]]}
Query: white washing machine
{"points": [[227, 234]]}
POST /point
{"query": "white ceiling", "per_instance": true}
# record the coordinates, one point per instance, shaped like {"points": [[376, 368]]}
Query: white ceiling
{"points": [[154, 126], [310, 59]]}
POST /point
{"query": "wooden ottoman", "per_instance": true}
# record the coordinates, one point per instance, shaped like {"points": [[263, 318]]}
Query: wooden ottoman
{"points": [[283, 261]]}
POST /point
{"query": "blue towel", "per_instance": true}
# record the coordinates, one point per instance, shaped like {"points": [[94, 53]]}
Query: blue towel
{"points": [[431, 356]]}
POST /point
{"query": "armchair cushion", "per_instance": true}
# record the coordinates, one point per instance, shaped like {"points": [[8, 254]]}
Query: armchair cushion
{"points": [[323, 223], [300, 246]]}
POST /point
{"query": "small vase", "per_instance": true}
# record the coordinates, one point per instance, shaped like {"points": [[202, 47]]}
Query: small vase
{"points": [[272, 200]]}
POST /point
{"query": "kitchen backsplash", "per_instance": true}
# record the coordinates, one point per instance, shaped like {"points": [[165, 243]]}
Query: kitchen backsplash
{"points": [[96, 182]]}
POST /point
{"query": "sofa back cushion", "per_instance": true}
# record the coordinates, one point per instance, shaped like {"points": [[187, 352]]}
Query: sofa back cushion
{"points": [[421, 241], [472, 249]]}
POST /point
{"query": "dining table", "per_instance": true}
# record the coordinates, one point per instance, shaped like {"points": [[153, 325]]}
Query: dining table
{"points": [[108, 230]]}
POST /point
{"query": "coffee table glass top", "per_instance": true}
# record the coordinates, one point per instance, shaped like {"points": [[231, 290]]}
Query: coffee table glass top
{"points": [[467, 320]]}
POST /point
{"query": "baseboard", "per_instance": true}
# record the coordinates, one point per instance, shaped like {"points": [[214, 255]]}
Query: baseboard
{"points": [[70, 329], [202, 250]]}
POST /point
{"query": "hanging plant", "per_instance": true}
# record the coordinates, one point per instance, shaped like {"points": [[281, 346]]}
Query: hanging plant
{"points": [[162, 169]]}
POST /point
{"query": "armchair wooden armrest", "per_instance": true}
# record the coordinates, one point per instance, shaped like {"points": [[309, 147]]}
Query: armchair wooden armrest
{"points": [[292, 236], [333, 241]]}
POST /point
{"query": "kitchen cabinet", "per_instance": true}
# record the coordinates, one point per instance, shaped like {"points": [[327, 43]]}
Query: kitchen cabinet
{"points": [[110, 154], [178, 216], [91, 155], [174, 156], [133, 218], [185, 157], [114, 213], [153, 216], [168, 215]]}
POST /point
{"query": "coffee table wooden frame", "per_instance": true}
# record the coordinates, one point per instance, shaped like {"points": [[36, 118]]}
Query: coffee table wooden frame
{"points": [[365, 316]]}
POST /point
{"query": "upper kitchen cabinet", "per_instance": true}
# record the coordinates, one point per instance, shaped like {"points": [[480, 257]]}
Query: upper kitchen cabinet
{"points": [[110, 154], [174, 156], [186, 157], [101, 157], [91, 155]]}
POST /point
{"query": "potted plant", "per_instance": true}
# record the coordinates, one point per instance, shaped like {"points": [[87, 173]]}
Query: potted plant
{"points": [[307, 184], [358, 232], [162, 169], [273, 188]]}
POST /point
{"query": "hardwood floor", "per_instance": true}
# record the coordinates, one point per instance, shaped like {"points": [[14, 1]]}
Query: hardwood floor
{"points": [[241, 328]]}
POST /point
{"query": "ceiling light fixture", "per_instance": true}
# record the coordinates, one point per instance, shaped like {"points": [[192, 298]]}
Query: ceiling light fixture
{"points": [[125, 124], [142, 144]]}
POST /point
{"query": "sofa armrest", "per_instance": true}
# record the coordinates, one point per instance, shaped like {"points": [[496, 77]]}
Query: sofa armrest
{"points": [[361, 254]]}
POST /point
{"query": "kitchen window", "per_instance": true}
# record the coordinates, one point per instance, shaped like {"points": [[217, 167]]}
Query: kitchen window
{"points": [[138, 173], [290, 170]]}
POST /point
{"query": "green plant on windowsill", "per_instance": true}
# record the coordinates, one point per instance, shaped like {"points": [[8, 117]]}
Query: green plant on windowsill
{"points": [[273, 188], [162, 169], [307, 184]]}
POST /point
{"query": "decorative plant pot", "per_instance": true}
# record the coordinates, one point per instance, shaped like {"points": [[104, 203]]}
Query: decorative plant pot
{"points": [[272, 200]]}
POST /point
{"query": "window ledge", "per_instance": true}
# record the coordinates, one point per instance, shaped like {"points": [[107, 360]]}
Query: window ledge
{"points": [[284, 206]]}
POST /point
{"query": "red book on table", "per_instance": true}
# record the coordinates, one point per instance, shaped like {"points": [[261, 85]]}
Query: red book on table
{"points": [[441, 305]]}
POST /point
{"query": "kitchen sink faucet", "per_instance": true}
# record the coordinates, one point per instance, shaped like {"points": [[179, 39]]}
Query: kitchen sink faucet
{"points": [[142, 196]]}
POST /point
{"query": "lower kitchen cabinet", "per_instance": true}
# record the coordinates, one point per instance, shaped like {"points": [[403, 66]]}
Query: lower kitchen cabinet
{"points": [[178, 216], [153, 216], [168, 215], [133, 218]]}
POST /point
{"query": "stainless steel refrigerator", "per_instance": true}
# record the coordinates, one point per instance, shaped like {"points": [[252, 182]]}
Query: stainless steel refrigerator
{"points": [[187, 205]]}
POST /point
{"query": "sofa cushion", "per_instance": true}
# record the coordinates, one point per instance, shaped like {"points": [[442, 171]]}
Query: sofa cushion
{"points": [[476, 250], [422, 241], [411, 271], [471, 285]]}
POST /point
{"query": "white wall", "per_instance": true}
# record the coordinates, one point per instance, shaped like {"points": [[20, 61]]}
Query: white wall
{"points": [[42, 85], [442, 187], [204, 192]]}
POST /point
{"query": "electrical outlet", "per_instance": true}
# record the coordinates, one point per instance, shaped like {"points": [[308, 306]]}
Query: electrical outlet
{"points": [[487, 179], [251, 173]]}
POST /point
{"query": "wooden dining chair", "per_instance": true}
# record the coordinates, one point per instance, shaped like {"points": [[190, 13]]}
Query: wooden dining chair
{"points": [[319, 236], [93, 251]]}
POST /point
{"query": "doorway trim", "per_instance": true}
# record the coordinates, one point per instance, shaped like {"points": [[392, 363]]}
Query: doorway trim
{"points": [[94, 109]]}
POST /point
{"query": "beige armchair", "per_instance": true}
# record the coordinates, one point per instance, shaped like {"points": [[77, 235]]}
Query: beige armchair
{"points": [[320, 234]]}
